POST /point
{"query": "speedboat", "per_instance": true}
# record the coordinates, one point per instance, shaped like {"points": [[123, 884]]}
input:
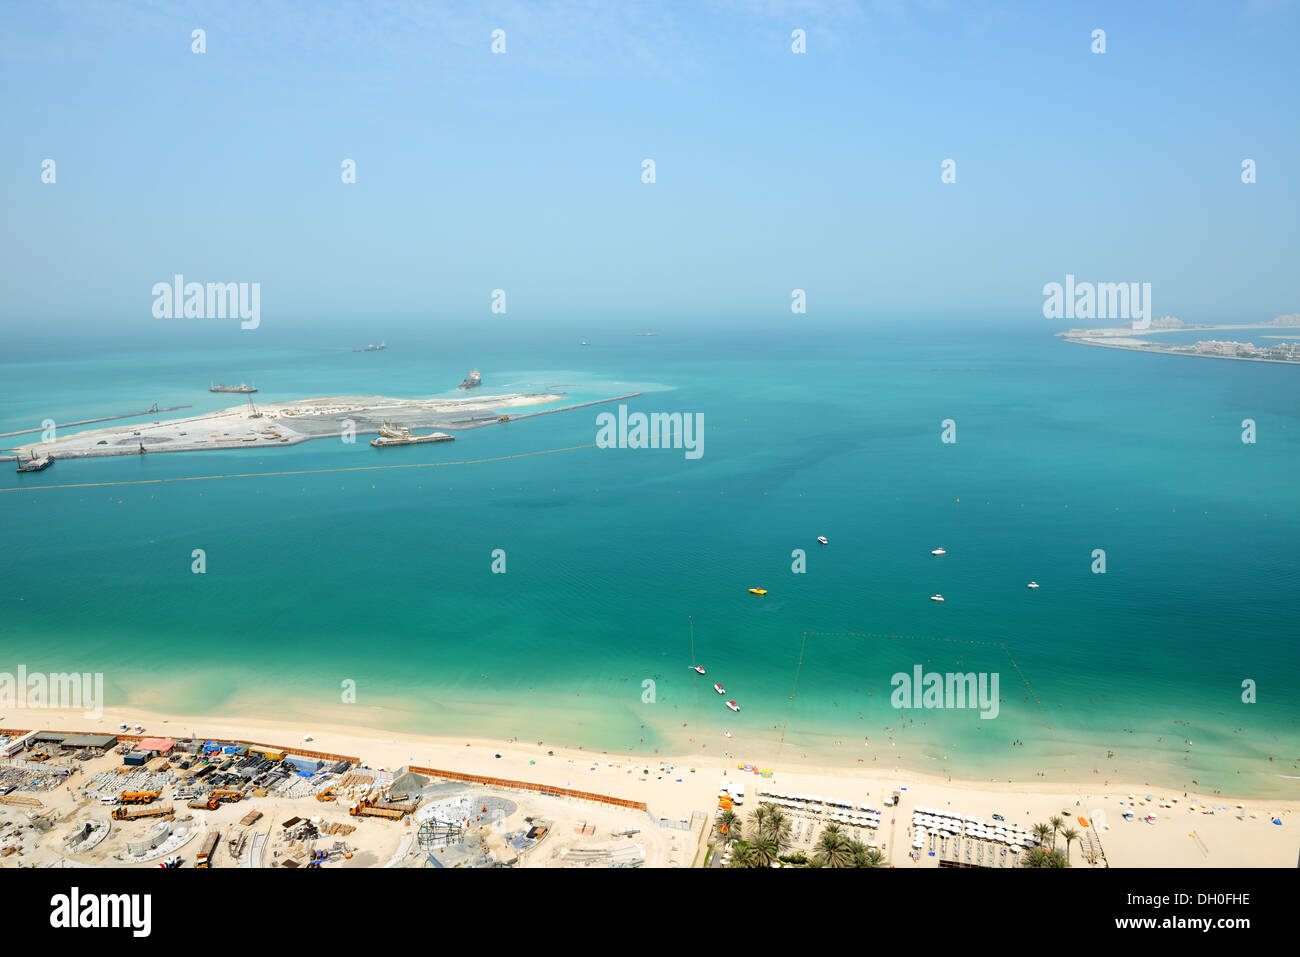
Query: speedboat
{"points": [[719, 689], [733, 706], [758, 591], [1032, 585], [938, 551], [822, 539], [936, 598], [699, 669]]}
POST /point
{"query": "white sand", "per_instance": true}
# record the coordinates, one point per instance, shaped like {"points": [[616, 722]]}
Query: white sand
{"points": [[1228, 841]]}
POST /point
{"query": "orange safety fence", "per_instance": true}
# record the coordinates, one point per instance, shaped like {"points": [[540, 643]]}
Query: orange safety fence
{"points": [[548, 789]]}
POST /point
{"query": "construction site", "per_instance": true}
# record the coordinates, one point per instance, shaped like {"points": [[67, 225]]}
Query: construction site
{"points": [[275, 424], [72, 800]]}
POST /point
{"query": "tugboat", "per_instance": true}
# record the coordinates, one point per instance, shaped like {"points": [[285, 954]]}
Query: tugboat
{"points": [[473, 382], [35, 464]]}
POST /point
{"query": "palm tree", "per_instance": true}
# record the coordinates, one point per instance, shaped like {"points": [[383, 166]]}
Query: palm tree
{"points": [[771, 821], [866, 856], [729, 826], [741, 856], [762, 851], [1070, 834], [1041, 857], [1042, 832], [1056, 823], [834, 849]]}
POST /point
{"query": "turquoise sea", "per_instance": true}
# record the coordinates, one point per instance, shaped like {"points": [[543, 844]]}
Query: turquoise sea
{"points": [[385, 577]]}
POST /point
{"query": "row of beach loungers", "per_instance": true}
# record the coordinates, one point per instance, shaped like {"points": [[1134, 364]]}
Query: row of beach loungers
{"points": [[943, 823], [829, 809], [822, 811]]}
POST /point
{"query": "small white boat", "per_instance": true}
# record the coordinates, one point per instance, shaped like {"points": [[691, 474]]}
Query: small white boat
{"points": [[938, 551], [936, 598], [698, 669], [719, 689], [733, 706], [1032, 585], [822, 539], [726, 734]]}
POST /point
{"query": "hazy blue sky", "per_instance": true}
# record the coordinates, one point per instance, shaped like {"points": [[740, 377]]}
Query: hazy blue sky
{"points": [[523, 171]]}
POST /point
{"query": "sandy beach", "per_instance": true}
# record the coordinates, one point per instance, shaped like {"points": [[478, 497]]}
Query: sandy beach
{"points": [[1192, 830]]}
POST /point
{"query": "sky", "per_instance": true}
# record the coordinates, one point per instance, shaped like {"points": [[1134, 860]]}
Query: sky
{"points": [[522, 170]]}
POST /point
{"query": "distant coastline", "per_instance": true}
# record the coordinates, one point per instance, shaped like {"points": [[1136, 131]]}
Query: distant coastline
{"points": [[1121, 337]]}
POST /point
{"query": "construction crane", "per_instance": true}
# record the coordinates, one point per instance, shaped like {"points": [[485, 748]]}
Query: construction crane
{"points": [[139, 797]]}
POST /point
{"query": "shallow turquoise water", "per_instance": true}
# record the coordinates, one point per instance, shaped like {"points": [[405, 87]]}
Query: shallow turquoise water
{"points": [[384, 577]]}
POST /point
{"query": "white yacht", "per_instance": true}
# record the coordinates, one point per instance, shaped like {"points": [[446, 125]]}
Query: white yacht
{"points": [[1032, 585], [936, 598], [938, 551]]}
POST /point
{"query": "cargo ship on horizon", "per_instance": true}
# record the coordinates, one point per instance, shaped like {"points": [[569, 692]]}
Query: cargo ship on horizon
{"points": [[241, 388]]}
